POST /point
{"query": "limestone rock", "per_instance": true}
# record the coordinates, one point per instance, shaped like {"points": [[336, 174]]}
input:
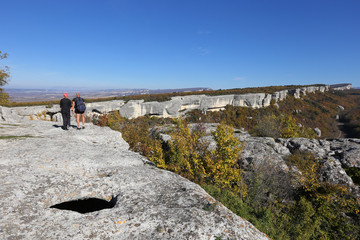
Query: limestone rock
{"points": [[260, 150], [305, 145], [280, 95], [8, 114], [333, 172], [178, 105], [165, 137], [295, 93], [318, 132], [46, 165], [347, 151], [335, 154]]}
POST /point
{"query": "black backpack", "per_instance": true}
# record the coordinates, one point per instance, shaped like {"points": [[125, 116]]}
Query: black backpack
{"points": [[80, 105]]}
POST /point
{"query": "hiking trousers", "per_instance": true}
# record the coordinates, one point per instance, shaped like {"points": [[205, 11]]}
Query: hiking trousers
{"points": [[66, 119]]}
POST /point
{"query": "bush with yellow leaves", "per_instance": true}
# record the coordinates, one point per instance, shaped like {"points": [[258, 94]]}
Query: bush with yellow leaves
{"points": [[281, 126], [225, 171]]}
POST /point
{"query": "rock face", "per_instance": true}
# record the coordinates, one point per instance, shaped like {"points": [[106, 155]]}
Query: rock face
{"points": [[43, 165], [177, 106], [259, 152], [342, 86], [335, 154]]}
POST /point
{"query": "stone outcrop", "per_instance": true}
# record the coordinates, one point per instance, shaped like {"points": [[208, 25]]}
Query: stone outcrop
{"points": [[342, 86], [334, 154], [175, 107], [45, 169], [311, 89], [7, 114]]}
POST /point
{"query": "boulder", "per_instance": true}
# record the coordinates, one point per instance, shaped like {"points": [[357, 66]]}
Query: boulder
{"points": [[341, 108], [347, 151], [258, 151], [8, 114], [333, 172], [318, 132]]}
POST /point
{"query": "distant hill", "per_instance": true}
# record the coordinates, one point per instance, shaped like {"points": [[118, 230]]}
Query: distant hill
{"points": [[35, 95], [342, 86]]}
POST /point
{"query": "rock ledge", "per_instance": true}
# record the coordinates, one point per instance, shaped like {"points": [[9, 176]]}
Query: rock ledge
{"points": [[45, 165]]}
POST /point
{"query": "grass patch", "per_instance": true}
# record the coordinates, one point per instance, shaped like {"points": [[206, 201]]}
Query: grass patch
{"points": [[14, 137], [9, 124]]}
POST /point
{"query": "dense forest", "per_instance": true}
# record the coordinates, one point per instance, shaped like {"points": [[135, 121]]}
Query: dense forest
{"points": [[267, 197]]}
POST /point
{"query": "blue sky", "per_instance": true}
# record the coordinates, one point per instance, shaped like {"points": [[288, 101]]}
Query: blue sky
{"points": [[158, 44]]}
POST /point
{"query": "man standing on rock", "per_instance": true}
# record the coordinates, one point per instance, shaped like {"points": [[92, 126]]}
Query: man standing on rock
{"points": [[79, 104], [65, 106]]}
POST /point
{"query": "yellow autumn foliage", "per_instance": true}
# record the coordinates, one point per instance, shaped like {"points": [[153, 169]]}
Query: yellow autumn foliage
{"points": [[224, 170], [190, 157], [185, 156]]}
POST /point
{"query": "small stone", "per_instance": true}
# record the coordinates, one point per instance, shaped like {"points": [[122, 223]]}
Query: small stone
{"points": [[318, 132]]}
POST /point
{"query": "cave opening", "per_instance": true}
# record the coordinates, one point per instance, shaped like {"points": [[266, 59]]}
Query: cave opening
{"points": [[86, 205]]}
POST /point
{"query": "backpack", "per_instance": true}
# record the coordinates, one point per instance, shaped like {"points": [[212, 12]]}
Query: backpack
{"points": [[80, 105]]}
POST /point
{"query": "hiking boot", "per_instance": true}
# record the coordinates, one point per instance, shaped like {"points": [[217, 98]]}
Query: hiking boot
{"points": [[83, 127], [78, 128]]}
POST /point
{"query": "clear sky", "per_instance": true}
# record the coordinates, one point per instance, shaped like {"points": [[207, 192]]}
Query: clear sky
{"points": [[160, 44]]}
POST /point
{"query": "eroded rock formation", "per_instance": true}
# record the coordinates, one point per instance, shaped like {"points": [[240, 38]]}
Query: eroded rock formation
{"points": [[177, 106]]}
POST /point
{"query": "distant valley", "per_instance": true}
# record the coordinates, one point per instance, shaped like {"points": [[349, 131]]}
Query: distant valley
{"points": [[35, 95]]}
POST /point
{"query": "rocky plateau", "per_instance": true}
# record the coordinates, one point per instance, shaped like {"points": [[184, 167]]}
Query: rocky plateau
{"points": [[86, 184]]}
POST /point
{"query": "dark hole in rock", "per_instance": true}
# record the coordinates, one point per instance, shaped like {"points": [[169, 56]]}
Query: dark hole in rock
{"points": [[86, 205], [96, 111]]}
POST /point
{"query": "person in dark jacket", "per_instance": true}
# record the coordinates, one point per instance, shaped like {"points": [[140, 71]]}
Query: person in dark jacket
{"points": [[65, 106], [78, 106]]}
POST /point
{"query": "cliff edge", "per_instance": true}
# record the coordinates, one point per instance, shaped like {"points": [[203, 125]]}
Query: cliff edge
{"points": [[86, 184], [176, 107]]}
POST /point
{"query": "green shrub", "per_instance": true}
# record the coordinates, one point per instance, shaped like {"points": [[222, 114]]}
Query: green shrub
{"points": [[354, 173]]}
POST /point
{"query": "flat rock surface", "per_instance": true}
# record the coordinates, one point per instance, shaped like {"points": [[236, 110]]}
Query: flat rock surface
{"points": [[42, 165]]}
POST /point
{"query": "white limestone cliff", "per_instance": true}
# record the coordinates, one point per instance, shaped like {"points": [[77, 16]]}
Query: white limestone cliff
{"points": [[175, 107]]}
